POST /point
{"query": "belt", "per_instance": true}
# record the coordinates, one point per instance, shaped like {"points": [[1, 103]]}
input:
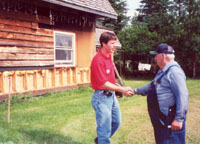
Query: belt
{"points": [[106, 92]]}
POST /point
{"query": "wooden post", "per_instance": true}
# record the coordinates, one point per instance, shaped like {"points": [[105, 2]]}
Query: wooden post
{"points": [[14, 86], [25, 81], [35, 79], [88, 75], [45, 78], [69, 76], [9, 98], [61, 76], [53, 77], [2, 82], [74, 75], [82, 75]]}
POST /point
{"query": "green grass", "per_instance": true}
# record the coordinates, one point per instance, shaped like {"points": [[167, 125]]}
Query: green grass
{"points": [[68, 118]]}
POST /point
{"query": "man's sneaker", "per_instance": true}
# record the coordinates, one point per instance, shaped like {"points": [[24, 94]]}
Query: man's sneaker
{"points": [[96, 140]]}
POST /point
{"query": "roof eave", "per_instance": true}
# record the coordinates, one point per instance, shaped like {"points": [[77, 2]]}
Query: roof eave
{"points": [[88, 10], [116, 46]]}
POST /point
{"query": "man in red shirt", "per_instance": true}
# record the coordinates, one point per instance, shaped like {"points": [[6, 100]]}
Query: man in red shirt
{"points": [[104, 101]]}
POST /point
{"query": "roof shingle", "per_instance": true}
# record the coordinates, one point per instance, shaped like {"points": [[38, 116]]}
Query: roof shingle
{"points": [[98, 7]]}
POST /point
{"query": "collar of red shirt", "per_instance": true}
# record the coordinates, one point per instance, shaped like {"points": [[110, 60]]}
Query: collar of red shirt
{"points": [[104, 55]]}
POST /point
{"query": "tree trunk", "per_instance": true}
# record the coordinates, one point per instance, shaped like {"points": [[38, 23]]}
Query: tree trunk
{"points": [[194, 66], [118, 76], [124, 64]]}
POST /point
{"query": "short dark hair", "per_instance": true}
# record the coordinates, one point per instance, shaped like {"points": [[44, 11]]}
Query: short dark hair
{"points": [[106, 37]]}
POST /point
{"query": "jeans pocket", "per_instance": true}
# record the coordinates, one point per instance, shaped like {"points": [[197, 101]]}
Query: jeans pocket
{"points": [[177, 136]]}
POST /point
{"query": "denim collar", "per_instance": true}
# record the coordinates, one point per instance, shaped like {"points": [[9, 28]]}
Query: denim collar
{"points": [[172, 62]]}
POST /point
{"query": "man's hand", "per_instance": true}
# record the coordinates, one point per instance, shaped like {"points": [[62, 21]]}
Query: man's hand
{"points": [[128, 91], [176, 125]]}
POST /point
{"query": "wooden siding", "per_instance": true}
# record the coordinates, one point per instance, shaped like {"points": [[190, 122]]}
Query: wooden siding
{"points": [[23, 43], [27, 42]]}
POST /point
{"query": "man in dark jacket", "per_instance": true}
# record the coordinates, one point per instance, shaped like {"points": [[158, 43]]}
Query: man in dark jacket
{"points": [[167, 98]]}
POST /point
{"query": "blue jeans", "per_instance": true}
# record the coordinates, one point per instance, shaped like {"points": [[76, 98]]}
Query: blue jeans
{"points": [[108, 115], [167, 136]]}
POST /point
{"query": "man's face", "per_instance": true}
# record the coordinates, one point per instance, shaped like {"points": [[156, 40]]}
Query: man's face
{"points": [[110, 46], [159, 58]]}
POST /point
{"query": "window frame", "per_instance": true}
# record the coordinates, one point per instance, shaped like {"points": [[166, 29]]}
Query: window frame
{"points": [[65, 63]]}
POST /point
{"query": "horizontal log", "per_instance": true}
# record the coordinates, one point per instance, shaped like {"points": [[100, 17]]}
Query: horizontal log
{"points": [[28, 37], [21, 43], [15, 22], [2, 69], [16, 56], [23, 30], [26, 18], [26, 50], [25, 63]]}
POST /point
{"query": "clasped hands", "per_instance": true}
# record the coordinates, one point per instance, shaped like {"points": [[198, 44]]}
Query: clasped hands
{"points": [[128, 91]]}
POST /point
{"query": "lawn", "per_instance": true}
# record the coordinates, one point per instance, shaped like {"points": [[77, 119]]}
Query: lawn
{"points": [[68, 118]]}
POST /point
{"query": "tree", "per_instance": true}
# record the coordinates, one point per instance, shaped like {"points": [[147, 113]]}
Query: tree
{"points": [[136, 42], [122, 20], [186, 37], [177, 23], [156, 14], [191, 26]]}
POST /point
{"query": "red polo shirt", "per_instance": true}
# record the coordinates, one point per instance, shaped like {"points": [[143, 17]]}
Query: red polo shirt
{"points": [[102, 70]]}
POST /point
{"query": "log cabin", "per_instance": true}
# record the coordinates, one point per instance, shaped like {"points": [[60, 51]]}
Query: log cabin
{"points": [[47, 45]]}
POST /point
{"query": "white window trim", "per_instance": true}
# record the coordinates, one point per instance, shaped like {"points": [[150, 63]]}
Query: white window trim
{"points": [[74, 48]]}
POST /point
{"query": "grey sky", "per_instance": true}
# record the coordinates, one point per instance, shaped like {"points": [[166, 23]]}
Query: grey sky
{"points": [[132, 5]]}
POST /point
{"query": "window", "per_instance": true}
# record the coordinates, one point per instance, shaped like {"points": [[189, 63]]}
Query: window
{"points": [[64, 49]]}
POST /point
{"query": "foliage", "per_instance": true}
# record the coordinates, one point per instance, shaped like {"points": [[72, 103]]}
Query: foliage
{"points": [[136, 42], [174, 22], [177, 23], [156, 15], [122, 20], [191, 36], [68, 118]]}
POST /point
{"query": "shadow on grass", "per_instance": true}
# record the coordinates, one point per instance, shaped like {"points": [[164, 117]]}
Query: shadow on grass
{"points": [[46, 137]]}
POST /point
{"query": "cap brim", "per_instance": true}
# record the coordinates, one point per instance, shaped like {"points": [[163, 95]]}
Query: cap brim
{"points": [[153, 52]]}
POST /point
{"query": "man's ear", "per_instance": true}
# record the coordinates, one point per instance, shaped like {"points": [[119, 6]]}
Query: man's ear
{"points": [[103, 44], [164, 55]]}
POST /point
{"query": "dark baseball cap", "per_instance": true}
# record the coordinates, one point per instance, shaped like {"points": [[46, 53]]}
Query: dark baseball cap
{"points": [[163, 48]]}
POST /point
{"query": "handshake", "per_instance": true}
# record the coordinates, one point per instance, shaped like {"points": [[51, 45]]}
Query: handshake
{"points": [[127, 91]]}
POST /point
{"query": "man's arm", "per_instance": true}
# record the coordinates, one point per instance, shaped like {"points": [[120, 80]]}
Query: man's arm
{"points": [[127, 91], [142, 90], [179, 88]]}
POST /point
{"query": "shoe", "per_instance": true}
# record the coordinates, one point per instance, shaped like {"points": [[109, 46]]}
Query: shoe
{"points": [[96, 140]]}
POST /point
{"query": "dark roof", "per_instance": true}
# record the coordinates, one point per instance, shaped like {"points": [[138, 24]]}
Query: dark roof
{"points": [[98, 7]]}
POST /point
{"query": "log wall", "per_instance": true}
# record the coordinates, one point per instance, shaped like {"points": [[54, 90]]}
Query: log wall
{"points": [[23, 43]]}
